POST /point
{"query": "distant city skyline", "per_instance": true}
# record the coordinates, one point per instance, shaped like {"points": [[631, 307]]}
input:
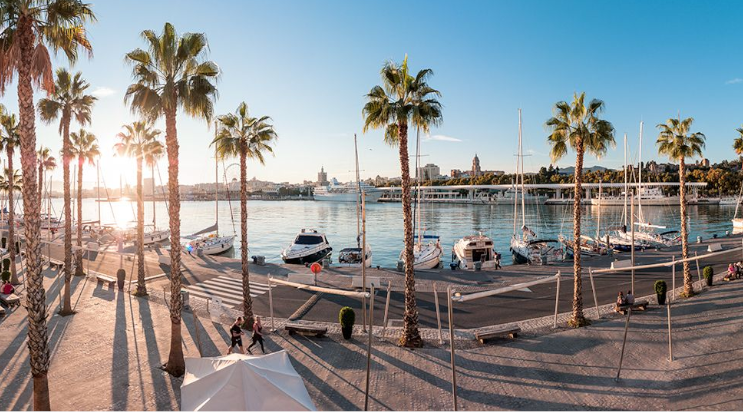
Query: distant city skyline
{"points": [[319, 58]]}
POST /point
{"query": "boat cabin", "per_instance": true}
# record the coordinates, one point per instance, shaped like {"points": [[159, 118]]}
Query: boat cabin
{"points": [[310, 237]]}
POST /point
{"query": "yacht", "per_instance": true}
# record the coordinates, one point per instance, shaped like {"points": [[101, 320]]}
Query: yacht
{"points": [[475, 248], [348, 192], [309, 246], [211, 244], [588, 246], [352, 257], [507, 198], [528, 249], [652, 196], [426, 255]]}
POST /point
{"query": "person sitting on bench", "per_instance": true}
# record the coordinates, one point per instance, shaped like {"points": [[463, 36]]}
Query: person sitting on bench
{"points": [[621, 300], [7, 288], [630, 298]]}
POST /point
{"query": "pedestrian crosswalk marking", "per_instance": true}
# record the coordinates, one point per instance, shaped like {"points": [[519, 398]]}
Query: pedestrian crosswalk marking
{"points": [[228, 289]]}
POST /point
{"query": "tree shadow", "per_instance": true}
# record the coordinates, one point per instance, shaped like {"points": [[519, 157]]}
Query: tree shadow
{"points": [[162, 402], [120, 358]]}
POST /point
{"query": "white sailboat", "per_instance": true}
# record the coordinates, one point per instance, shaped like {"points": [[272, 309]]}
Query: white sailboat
{"points": [[153, 235], [208, 241], [737, 222], [526, 247], [427, 249], [354, 257]]}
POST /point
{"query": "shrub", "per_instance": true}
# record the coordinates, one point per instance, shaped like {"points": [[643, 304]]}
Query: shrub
{"points": [[5, 276], [6, 264], [347, 317], [121, 274], [660, 287], [708, 272]]}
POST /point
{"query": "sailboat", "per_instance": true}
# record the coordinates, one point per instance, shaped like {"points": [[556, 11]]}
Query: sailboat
{"points": [[427, 249], [475, 248], [526, 247], [354, 256], [208, 241], [152, 234]]}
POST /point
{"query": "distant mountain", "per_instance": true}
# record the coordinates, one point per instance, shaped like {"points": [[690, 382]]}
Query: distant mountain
{"points": [[571, 169]]}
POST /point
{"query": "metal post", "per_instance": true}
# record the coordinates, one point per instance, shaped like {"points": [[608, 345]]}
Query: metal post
{"points": [[196, 327], [557, 298], [270, 303], [363, 261], [699, 273], [632, 247], [593, 289], [450, 309], [438, 313], [386, 307], [673, 275], [624, 342], [670, 340], [369, 349]]}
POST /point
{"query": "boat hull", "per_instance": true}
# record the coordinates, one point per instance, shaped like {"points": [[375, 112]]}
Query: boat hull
{"points": [[307, 259], [370, 196]]}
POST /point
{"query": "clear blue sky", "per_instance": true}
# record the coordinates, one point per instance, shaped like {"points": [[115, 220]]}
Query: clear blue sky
{"points": [[308, 64]]}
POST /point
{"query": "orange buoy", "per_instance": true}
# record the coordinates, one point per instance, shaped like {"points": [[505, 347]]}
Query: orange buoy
{"points": [[315, 268]]}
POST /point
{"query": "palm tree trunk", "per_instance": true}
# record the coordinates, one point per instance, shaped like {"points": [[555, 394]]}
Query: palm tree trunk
{"points": [[41, 182], [141, 288], [11, 218], [247, 300], [176, 364], [79, 255], [688, 283], [578, 319], [67, 302], [410, 335], [38, 346]]}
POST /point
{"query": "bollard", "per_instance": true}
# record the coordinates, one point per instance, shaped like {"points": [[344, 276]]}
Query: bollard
{"points": [[670, 341]]}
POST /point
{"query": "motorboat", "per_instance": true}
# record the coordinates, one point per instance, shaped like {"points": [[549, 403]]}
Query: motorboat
{"points": [[211, 244], [475, 248], [426, 252], [588, 246], [309, 246], [352, 257], [156, 236]]}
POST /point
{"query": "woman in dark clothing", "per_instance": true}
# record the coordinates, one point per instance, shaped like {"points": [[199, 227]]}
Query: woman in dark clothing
{"points": [[257, 335]]}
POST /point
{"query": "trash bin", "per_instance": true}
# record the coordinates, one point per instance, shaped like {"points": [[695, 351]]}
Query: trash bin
{"points": [[453, 265], [184, 298], [478, 265], [259, 260], [400, 265]]}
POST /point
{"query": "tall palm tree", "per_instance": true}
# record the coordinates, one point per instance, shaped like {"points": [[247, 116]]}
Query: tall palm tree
{"points": [[738, 145], [173, 74], [67, 102], [28, 28], [676, 142], [83, 147], [139, 140], [404, 100], [46, 163], [575, 125], [11, 180], [9, 140], [241, 136]]}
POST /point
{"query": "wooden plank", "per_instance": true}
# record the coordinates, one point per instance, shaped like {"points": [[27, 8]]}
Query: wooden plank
{"points": [[317, 330], [488, 333]]}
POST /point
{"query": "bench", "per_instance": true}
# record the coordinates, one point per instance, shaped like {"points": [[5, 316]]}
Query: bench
{"points": [[102, 278], [2, 312], [10, 300], [53, 264], [492, 332], [356, 282], [641, 305], [714, 247], [306, 329]]}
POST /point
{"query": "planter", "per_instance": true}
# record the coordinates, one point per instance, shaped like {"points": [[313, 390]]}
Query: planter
{"points": [[661, 299], [708, 281], [347, 332], [120, 278]]}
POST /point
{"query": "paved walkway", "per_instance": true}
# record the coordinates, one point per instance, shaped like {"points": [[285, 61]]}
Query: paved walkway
{"points": [[106, 357]]}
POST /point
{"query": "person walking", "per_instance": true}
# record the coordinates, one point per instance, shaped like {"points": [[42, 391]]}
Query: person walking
{"points": [[257, 335], [236, 334]]}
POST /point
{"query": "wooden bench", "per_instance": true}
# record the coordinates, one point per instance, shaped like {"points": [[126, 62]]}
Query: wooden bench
{"points": [[306, 329], [640, 305], [10, 300], [2, 312], [492, 332], [53, 264], [102, 278]]}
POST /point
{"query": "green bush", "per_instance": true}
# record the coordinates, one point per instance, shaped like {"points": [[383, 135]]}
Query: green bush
{"points": [[660, 287], [5, 276], [6, 264], [347, 317], [708, 272], [121, 274]]}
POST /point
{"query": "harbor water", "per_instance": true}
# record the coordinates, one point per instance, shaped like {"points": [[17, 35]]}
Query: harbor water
{"points": [[272, 225]]}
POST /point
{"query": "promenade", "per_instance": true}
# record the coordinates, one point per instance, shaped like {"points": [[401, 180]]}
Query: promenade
{"points": [[107, 357]]}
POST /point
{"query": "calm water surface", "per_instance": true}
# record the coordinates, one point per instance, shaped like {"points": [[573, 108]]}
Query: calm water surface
{"points": [[272, 225]]}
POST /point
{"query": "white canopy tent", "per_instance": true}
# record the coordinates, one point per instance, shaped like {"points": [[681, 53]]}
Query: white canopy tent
{"points": [[243, 383]]}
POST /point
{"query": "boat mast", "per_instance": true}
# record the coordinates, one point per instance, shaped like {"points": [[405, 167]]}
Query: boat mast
{"points": [[521, 161], [625, 180], [216, 181], [639, 188], [358, 195], [154, 221], [516, 184], [418, 176], [598, 221], [98, 188]]}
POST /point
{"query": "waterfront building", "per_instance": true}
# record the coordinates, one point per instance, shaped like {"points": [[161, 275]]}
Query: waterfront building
{"points": [[430, 172], [322, 177], [476, 171]]}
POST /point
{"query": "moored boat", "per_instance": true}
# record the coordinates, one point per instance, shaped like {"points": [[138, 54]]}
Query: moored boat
{"points": [[426, 255], [475, 248], [309, 246]]}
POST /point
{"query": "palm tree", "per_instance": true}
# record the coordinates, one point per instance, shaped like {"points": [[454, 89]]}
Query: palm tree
{"points": [[173, 74], [67, 102], [404, 100], [139, 141], [738, 145], [83, 147], [578, 126], [46, 163], [28, 28], [9, 140], [676, 142], [241, 136], [11, 180]]}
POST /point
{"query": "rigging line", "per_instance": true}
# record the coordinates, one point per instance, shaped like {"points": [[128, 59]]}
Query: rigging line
{"points": [[162, 189], [108, 198], [229, 197]]}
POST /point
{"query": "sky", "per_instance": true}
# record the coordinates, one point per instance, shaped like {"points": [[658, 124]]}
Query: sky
{"points": [[308, 65]]}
